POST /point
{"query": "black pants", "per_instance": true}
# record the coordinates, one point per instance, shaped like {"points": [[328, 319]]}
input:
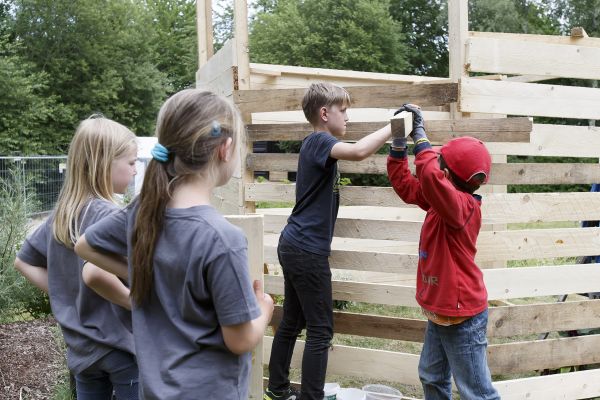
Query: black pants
{"points": [[308, 303]]}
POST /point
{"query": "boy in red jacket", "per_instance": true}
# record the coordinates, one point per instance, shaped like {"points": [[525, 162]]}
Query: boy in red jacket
{"points": [[450, 287]]}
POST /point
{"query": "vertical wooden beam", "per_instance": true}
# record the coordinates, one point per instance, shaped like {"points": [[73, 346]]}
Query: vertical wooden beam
{"points": [[458, 33], [253, 227], [205, 31], [243, 83]]}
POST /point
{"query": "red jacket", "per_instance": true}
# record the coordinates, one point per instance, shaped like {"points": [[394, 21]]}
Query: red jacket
{"points": [[448, 280]]}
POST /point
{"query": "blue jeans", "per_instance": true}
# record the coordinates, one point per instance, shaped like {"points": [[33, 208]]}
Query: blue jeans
{"points": [[116, 371], [307, 303], [459, 350]]}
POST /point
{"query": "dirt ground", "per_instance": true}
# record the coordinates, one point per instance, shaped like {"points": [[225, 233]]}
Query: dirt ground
{"points": [[31, 360]]}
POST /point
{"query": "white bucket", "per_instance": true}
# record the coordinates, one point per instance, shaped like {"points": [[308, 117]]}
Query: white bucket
{"points": [[350, 394], [381, 392], [331, 391]]}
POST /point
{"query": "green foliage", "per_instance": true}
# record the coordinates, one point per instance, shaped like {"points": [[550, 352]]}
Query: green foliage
{"points": [[520, 16], [100, 57], [349, 34], [17, 295], [424, 23]]}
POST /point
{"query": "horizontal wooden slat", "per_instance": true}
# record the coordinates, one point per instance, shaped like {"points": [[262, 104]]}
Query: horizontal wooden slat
{"points": [[402, 368], [371, 325], [531, 99], [501, 174], [388, 96], [519, 357], [526, 319], [548, 39], [503, 321], [502, 284], [573, 385], [438, 132], [505, 56], [365, 363], [554, 140], [497, 208]]}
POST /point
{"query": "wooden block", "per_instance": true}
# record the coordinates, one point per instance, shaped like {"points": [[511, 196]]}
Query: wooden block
{"points": [[578, 32]]}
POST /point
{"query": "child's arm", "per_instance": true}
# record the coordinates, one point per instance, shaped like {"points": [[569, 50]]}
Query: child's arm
{"points": [[36, 275], [363, 148], [106, 285], [242, 338], [113, 263]]}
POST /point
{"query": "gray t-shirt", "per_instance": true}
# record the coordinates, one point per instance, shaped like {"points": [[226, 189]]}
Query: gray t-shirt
{"points": [[201, 282], [91, 325]]}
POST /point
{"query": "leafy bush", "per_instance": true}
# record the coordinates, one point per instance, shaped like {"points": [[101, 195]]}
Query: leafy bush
{"points": [[17, 295]]}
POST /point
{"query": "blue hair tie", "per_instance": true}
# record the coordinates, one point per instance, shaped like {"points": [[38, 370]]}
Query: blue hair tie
{"points": [[215, 131], [160, 153]]}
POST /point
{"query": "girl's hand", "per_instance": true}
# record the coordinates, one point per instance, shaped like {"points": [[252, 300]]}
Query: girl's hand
{"points": [[264, 300]]}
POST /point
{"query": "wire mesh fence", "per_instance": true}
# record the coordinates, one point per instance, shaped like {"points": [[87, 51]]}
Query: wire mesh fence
{"points": [[45, 175]]}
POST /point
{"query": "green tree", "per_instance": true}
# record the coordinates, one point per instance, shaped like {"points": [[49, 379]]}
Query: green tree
{"points": [[176, 45], [99, 56], [572, 13], [348, 34], [425, 26], [520, 16]]}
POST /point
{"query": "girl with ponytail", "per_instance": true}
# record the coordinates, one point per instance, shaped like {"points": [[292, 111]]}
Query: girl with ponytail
{"points": [[196, 315]]}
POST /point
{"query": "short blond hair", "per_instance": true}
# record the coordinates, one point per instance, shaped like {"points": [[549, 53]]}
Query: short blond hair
{"points": [[323, 94]]}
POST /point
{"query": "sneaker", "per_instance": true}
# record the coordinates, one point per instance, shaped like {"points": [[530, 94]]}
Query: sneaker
{"points": [[289, 394]]}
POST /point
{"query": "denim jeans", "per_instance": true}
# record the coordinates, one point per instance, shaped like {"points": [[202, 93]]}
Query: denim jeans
{"points": [[116, 371], [307, 303], [460, 350]]}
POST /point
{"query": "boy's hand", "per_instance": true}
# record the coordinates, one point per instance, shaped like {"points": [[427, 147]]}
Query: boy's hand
{"points": [[418, 127]]}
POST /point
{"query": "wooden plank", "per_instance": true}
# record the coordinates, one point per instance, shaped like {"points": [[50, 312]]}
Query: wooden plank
{"points": [[554, 140], [438, 132], [252, 225], [204, 31], [371, 325], [307, 73], [573, 385], [549, 39], [521, 57], [354, 114], [373, 364], [228, 199], [458, 26], [537, 244], [501, 174], [510, 358], [515, 98], [389, 96], [528, 319], [240, 32], [505, 321], [503, 283], [222, 61], [357, 291]]}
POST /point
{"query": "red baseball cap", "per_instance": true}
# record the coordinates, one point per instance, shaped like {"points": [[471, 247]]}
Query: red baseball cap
{"points": [[467, 157]]}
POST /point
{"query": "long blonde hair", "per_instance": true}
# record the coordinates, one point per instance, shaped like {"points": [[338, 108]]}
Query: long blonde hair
{"points": [[186, 127], [96, 143]]}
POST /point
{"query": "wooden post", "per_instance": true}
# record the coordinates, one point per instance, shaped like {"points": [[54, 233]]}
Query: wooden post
{"points": [[252, 225], [205, 31], [458, 33], [243, 83]]}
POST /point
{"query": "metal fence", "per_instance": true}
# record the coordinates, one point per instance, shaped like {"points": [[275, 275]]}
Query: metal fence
{"points": [[44, 174]]}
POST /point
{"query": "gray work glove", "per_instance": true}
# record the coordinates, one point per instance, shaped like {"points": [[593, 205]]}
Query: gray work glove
{"points": [[418, 128]]}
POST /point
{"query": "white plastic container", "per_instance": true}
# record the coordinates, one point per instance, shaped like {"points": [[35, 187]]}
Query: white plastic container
{"points": [[381, 392], [331, 391], [350, 394]]}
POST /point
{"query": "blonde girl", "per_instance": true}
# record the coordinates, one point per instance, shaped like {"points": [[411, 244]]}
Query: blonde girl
{"points": [[97, 333], [195, 313]]}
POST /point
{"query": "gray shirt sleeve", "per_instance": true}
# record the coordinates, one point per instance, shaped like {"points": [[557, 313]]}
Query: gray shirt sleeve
{"points": [[229, 283], [109, 235], [35, 248]]}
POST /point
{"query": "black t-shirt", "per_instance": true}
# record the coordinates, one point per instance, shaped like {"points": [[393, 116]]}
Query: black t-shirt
{"points": [[310, 226]]}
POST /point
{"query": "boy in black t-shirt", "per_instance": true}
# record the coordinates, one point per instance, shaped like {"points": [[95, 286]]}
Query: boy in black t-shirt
{"points": [[305, 243]]}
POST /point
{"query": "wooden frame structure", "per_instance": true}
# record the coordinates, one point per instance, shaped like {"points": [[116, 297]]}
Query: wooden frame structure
{"points": [[376, 234]]}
